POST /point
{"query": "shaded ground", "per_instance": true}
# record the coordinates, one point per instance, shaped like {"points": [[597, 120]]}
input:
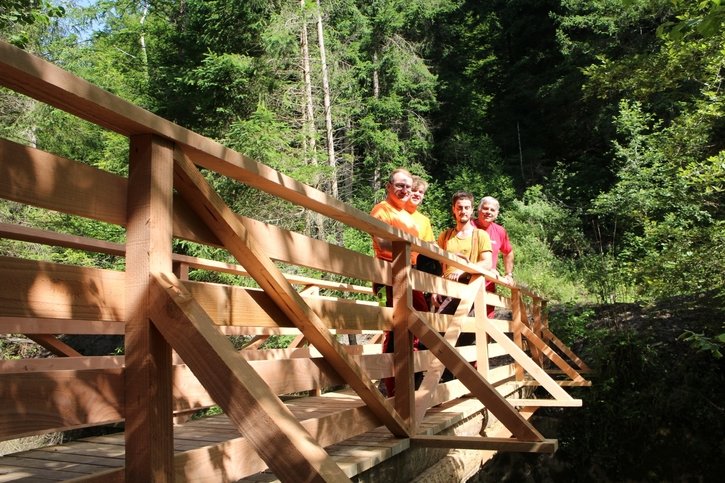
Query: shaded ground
{"points": [[656, 409]]}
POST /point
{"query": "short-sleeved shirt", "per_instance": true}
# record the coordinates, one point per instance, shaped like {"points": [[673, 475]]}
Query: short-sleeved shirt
{"points": [[463, 247], [398, 218], [499, 241], [425, 230]]}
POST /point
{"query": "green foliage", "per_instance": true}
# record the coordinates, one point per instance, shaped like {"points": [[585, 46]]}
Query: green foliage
{"points": [[16, 16], [702, 343], [570, 322], [670, 218], [277, 342], [704, 19], [543, 231], [651, 412]]}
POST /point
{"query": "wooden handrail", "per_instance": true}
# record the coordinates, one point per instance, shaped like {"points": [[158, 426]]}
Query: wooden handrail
{"points": [[164, 198], [45, 237]]}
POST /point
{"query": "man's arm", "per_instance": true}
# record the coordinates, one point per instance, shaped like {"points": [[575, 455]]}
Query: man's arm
{"points": [[508, 263], [484, 260]]}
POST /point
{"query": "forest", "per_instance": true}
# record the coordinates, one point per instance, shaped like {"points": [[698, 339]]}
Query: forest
{"points": [[598, 124]]}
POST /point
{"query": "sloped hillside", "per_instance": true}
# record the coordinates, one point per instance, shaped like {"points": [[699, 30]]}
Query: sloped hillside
{"points": [[656, 410]]}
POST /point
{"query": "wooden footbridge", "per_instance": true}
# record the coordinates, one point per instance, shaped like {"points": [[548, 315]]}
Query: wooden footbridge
{"points": [[309, 412]]}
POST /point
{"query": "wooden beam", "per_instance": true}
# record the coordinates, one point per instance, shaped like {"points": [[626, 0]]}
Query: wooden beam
{"points": [[516, 325], [37, 178], [245, 397], [55, 346], [38, 403], [403, 340], [482, 354], [479, 387], [61, 364], [541, 346], [572, 403], [240, 243], [43, 290], [534, 348], [484, 443], [38, 325], [550, 336], [436, 367], [45, 237], [149, 424], [524, 361]]}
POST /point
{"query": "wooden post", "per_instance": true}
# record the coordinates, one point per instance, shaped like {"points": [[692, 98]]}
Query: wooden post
{"points": [[516, 325], [148, 401], [403, 339], [538, 326], [481, 315]]}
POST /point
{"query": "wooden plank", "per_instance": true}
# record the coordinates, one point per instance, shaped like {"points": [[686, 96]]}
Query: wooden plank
{"points": [[538, 326], [516, 325], [38, 325], [437, 366], [34, 177], [35, 235], [551, 355], [149, 425], [483, 443], [45, 237], [247, 251], [40, 290], [257, 413], [535, 348], [482, 354], [37, 403], [60, 364], [36, 297], [235, 306], [550, 336], [571, 403], [236, 458]]}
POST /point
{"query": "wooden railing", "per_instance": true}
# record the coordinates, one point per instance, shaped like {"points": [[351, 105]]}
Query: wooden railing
{"points": [[177, 357]]}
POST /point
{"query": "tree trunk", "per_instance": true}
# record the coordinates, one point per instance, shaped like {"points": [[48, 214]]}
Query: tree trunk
{"points": [[326, 102], [315, 221], [310, 132]]}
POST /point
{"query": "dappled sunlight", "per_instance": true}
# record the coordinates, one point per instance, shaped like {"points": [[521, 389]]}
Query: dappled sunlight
{"points": [[281, 407]]}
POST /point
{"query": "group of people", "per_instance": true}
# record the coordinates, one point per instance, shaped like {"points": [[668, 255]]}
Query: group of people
{"points": [[478, 240]]}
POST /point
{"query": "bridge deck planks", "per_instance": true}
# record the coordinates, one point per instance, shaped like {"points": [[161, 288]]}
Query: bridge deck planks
{"points": [[354, 455]]}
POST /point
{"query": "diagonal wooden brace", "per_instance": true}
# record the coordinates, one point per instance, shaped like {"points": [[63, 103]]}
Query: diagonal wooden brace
{"points": [[257, 412], [479, 387], [241, 244]]}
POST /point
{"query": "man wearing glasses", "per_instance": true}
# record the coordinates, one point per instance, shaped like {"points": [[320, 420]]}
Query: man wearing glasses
{"points": [[392, 211]]}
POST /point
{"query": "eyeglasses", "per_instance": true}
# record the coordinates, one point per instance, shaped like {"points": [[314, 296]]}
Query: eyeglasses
{"points": [[401, 186]]}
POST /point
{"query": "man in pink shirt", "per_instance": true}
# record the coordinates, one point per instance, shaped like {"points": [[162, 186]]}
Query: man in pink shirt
{"points": [[488, 210]]}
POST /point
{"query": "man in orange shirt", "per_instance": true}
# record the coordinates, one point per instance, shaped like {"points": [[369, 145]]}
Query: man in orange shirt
{"points": [[392, 211]]}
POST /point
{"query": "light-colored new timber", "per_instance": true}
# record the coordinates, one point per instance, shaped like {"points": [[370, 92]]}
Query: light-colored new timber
{"points": [[148, 365], [256, 411], [245, 248]]}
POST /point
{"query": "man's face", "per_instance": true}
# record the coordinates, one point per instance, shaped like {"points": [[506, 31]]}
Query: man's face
{"points": [[416, 195], [462, 211], [399, 189], [488, 213]]}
